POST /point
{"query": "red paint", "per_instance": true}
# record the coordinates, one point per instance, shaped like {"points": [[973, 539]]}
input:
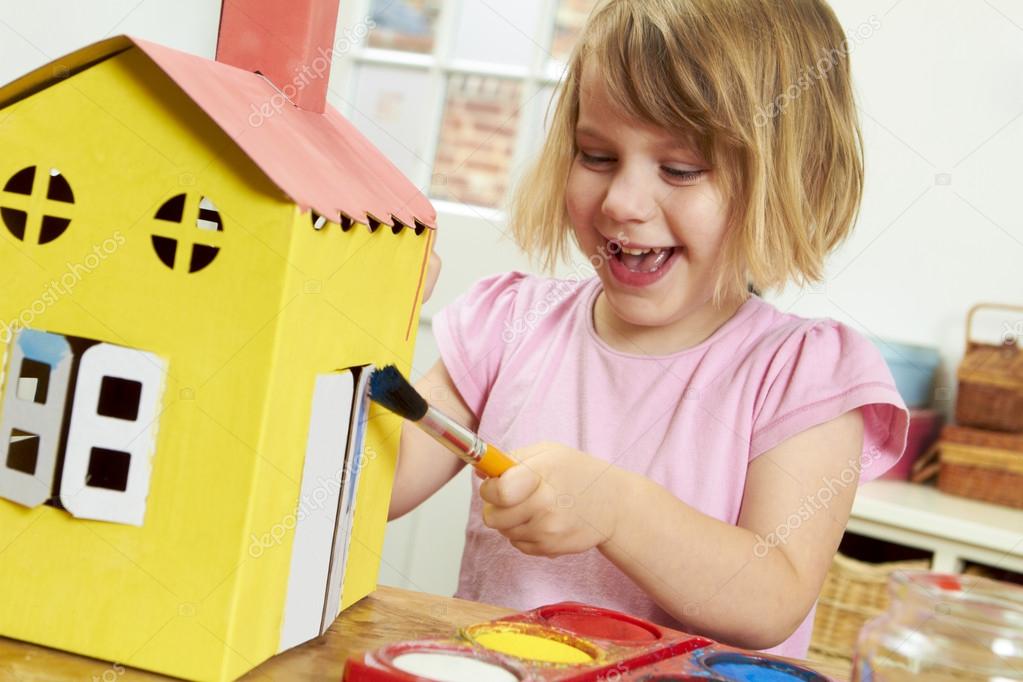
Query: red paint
{"points": [[319, 160], [947, 582], [597, 623], [291, 43]]}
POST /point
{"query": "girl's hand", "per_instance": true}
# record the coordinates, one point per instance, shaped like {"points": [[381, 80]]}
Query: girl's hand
{"points": [[556, 501], [432, 273]]}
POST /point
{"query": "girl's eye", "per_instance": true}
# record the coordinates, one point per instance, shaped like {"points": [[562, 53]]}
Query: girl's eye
{"points": [[682, 175], [594, 159], [675, 174]]}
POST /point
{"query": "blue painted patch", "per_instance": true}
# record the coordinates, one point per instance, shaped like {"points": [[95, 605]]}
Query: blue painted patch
{"points": [[752, 669], [43, 346]]}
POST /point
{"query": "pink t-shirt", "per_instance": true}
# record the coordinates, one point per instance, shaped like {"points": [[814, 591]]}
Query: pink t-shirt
{"points": [[524, 355]]}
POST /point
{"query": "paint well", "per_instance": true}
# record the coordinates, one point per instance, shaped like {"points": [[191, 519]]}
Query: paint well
{"points": [[601, 626], [531, 647], [754, 669], [443, 667]]}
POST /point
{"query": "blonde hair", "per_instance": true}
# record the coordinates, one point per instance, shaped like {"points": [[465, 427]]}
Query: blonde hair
{"points": [[761, 87]]}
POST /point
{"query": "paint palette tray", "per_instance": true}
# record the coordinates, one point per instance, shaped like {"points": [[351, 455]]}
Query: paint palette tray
{"points": [[570, 642]]}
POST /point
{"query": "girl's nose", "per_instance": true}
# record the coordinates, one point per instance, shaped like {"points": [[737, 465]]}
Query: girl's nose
{"points": [[629, 198]]}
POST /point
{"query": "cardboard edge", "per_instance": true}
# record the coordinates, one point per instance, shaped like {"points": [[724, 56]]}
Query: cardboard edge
{"points": [[63, 67]]}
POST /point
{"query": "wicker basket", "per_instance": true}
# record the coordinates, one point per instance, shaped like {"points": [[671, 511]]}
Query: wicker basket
{"points": [[991, 380], [981, 465], [853, 593]]}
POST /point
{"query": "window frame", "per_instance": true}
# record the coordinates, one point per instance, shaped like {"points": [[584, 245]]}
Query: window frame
{"points": [[542, 72]]}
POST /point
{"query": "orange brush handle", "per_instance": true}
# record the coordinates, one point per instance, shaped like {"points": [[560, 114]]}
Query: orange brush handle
{"points": [[494, 462]]}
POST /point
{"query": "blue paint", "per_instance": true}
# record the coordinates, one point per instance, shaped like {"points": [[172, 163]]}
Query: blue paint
{"points": [[43, 346], [752, 669]]}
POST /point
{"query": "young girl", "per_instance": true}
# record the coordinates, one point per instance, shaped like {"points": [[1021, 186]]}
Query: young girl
{"points": [[688, 453]]}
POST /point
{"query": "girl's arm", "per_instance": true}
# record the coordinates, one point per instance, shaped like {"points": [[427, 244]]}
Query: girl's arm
{"points": [[424, 465], [749, 585]]}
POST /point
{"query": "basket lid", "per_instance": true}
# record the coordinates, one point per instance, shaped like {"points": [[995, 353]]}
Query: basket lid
{"points": [[993, 365]]}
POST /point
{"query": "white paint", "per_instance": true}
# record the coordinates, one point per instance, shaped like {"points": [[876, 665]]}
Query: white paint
{"points": [[353, 464], [315, 519], [20, 411], [136, 437], [27, 388], [450, 668]]}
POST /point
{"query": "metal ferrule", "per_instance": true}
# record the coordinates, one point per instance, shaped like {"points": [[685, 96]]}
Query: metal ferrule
{"points": [[455, 437]]}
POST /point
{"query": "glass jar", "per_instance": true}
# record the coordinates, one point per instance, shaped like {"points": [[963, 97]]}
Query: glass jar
{"points": [[943, 627]]}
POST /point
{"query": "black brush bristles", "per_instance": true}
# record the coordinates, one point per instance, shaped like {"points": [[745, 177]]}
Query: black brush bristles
{"points": [[389, 388]]}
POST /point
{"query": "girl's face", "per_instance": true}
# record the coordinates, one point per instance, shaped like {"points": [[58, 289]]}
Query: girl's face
{"points": [[641, 187]]}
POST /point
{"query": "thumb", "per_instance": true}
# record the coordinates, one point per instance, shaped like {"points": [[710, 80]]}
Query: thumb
{"points": [[511, 488]]}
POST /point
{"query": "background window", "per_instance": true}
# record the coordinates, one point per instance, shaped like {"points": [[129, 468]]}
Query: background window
{"points": [[406, 25], [569, 21], [454, 92], [389, 110], [477, 139]]}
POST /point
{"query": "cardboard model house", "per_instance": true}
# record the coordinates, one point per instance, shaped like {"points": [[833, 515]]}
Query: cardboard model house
{"points": [[191, 478]]}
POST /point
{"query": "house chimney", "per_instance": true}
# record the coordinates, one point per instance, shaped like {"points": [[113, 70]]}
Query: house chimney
{"points": [[288, 41]]}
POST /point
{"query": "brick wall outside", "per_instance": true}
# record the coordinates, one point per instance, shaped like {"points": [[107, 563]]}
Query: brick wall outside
{"points": [[477, 140], [481, 113]]}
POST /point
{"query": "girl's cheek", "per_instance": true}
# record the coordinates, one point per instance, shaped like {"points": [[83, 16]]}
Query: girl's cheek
{"points": [[574, 204]]}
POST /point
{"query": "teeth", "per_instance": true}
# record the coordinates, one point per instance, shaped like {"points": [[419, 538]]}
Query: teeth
{"points": [[641, 252]]}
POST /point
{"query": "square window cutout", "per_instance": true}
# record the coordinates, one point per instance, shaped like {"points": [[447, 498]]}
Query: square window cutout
{"points": [[119, 398]]}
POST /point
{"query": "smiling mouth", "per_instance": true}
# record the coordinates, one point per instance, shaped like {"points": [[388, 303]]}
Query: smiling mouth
{"points": [[645, 259]]}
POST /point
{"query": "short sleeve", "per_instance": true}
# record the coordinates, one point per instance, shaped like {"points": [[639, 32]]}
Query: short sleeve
{"points": [[819, 376], [471, 335]]}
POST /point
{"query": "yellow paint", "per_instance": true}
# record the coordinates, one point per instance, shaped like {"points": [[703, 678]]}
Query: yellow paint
{"points": [[531, 647], [185, 593]]}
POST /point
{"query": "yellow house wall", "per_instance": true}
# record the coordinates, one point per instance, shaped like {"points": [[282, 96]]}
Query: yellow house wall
{"points": [[350, 297], [159, 596]]}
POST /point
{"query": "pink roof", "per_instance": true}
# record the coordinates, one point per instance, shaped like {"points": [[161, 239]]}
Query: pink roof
{"points": [[320, 161]]}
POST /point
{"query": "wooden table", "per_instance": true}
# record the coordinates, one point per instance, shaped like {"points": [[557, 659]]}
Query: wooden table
{"points": [[388, 615]]}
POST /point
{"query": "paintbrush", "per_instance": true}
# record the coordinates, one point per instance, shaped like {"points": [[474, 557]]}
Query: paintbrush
{"points": [[390, 389]]}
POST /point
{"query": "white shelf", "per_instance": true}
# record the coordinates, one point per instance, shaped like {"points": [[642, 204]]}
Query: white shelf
{"points": [[954, 528]]}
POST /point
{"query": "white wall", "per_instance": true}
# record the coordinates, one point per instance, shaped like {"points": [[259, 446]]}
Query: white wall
{"points": [[34, 33], [941, 92]]}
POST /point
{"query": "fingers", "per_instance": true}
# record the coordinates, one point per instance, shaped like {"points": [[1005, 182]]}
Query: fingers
{"points": [[511, 488], [506, 518]]}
